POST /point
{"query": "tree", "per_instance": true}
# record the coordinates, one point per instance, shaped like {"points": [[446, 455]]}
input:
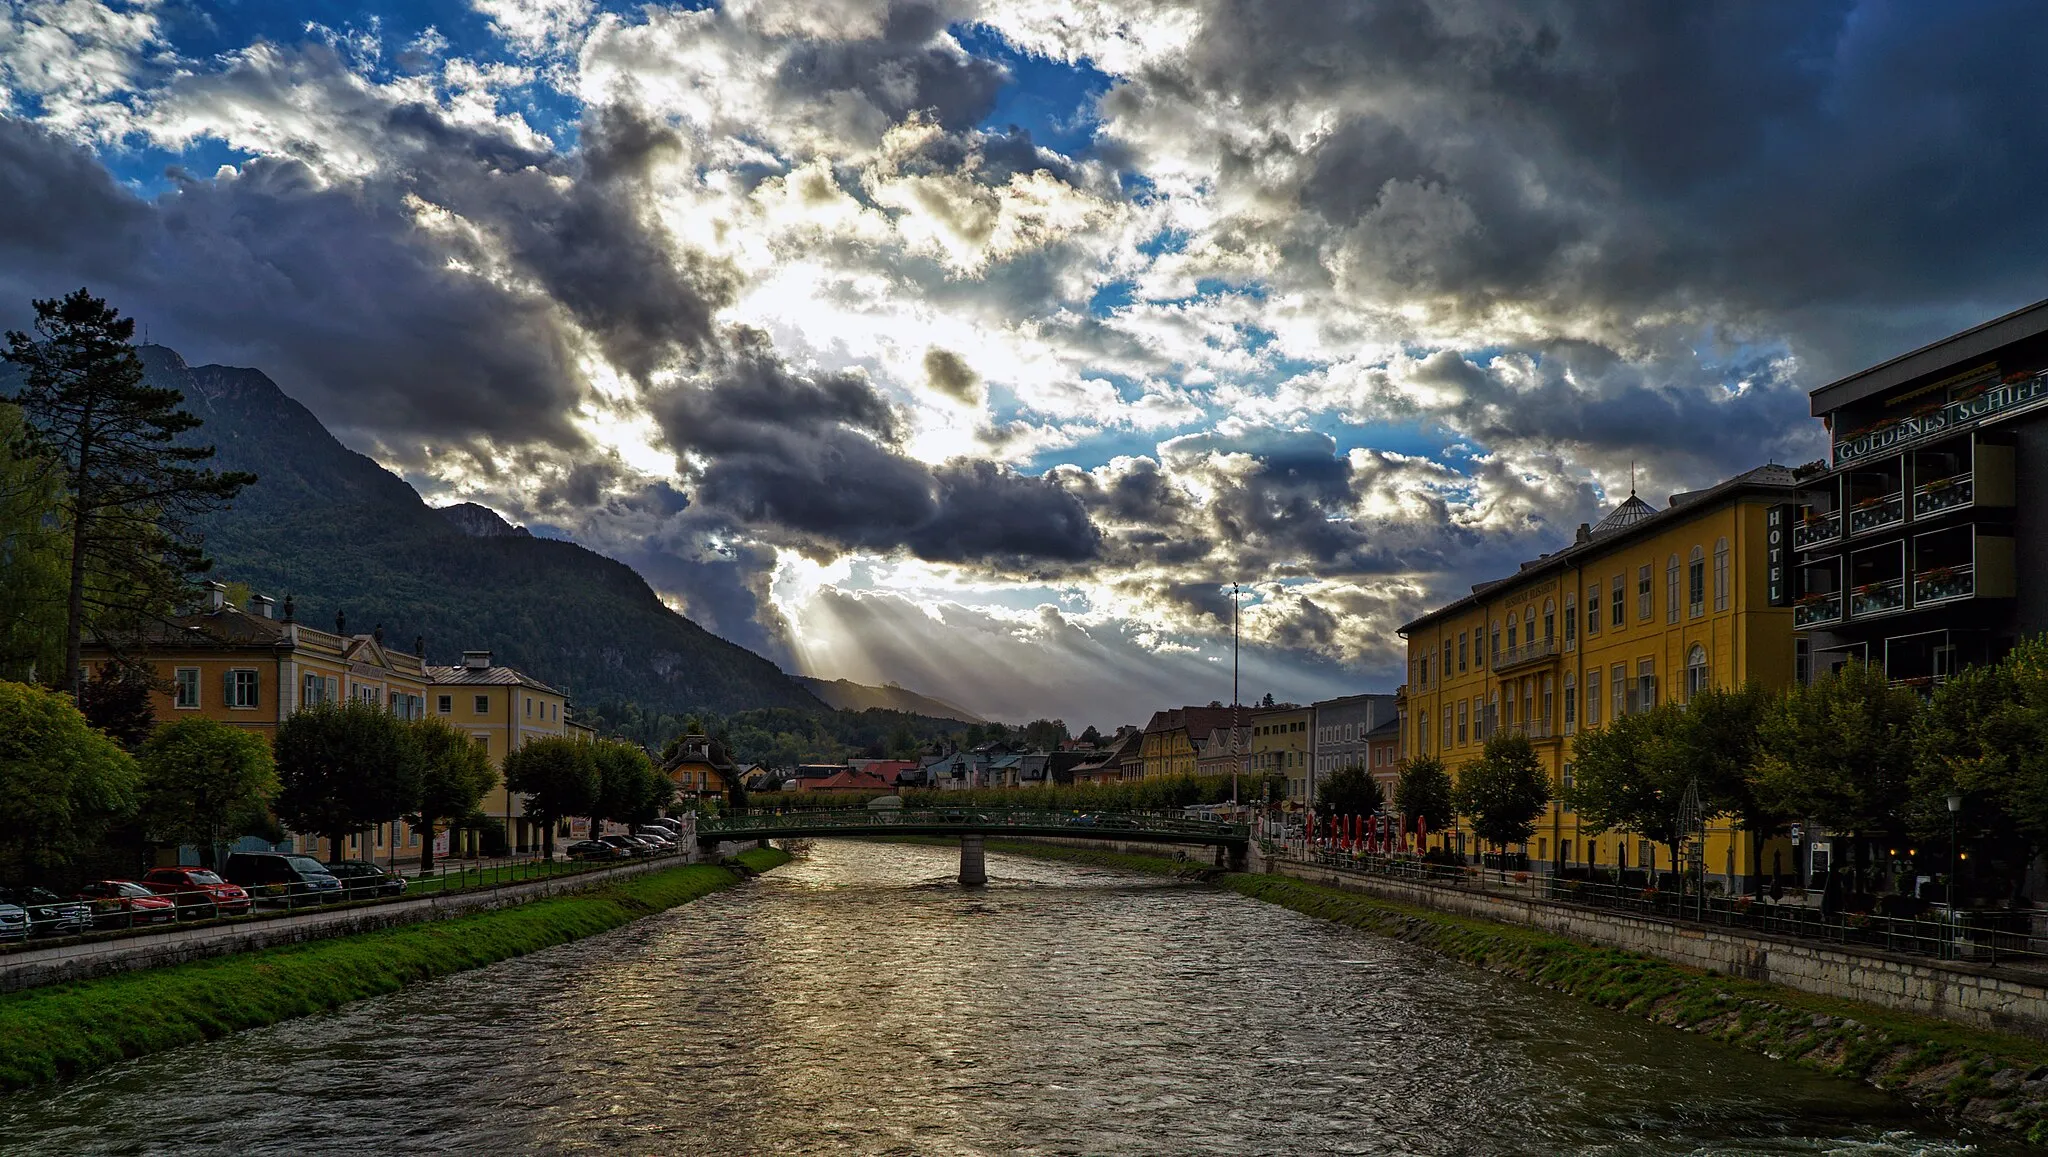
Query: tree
{"points": [[1092, 736], [204, 781], [455, 775], [630, 789], [117, 701], [1424, 792], [1984, 737], [1502, 792], [130, 491], [559, 778], [62, 783], [1632, 775], [1839, 751], [31, 557], [1349, 791], [1723, 752], [343, 768], [1045, 734]]}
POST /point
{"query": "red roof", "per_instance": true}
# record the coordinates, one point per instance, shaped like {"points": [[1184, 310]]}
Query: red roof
{"points": [[846, 781], [888, 769]]}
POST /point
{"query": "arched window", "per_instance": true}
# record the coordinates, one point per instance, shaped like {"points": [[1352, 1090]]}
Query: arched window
{"points": [[1721, 575], [1511, 632], [1492, 713], [1696, 584], [1571, 622], [1671, 590], [1496, 642], [1697, 677], [1571, 702], [1529, 629], [1549, 619]]}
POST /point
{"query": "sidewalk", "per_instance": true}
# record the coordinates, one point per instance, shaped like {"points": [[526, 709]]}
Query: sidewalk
{"points": [[409, 865]]}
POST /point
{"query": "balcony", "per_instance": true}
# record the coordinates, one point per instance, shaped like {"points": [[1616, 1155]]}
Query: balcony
{"points": [[1877, 513], [1533, 729], [1944, 583], [1952, 493], [1816, 529], [1883, 597], [1815, 610], [1512, 657]]}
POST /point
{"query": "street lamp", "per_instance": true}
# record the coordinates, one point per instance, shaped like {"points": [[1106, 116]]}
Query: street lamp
{"points": [[1955, 811]]}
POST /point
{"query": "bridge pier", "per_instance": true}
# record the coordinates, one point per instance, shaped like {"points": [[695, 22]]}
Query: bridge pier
{"points": [[973, 869]]}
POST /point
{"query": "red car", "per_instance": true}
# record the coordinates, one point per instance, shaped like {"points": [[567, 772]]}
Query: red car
{"points": [[125, 904], [199, 891]]}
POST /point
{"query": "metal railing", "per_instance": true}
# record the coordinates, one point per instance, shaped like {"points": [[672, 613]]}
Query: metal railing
{"points": [[1817, 529], [1873, 513], [1944, 494], [1940, 584], [1988, 938], [1534, 652], [1878, 598], [757, 823], [1825, 608]]}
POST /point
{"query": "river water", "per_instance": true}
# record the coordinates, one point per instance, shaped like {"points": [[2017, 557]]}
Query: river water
{"points": [[858, 1002]]}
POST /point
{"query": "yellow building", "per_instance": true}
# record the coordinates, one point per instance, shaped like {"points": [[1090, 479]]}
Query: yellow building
{"points": [[1280, 743], [1648, 606], [504, 709], [1174, 738], [700, 767]]}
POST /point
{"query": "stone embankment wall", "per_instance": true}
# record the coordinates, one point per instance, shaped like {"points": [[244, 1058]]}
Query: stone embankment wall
{"points": [[84, 959], [1963, 993], [1192, 853]]}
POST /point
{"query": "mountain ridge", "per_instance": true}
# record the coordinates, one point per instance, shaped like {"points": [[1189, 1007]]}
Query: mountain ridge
{"points": [[847, 695]]}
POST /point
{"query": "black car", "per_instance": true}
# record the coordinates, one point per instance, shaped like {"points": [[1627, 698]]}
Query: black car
{"points": [[282, 877], [593, 850], [48, 913], [363, 879], [628, 844]]}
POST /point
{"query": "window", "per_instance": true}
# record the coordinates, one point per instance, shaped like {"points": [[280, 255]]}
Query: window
{"points": [[1571, 623], [1462, 636], [1528, 703], [1721, 575], [1549, 702], [1529, 628], [1697, 678], [1671, 590], [408, 706], [1492, 715], [1496, 642], [1565, 800], [239, 688], [1447, 729], [1592, 698], [1593, 609], [482, 705], [1422, 733], [445, 704], [1464, 715], [1646, 684], [1549, 620], [1511, 632], [1618, 687], [370, 695], [185, 688], [1619, 610], [1571, 703], [1643, 600], [1447, 657], [1696, 584], [1425, 679]]}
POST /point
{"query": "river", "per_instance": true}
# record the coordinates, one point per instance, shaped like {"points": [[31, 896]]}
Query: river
{"points": [[858, 1002]]}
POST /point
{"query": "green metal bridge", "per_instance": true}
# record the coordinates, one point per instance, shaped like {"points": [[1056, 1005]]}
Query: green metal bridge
{"points": [[974, 824]]}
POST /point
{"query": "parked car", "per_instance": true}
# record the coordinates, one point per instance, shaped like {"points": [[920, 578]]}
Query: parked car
{"points": [[594, 850], [283, 877], [672, 826], [13, 922], [628, 844], [364, 880], [661, 836], [125, 904], [198, 891], [48, 913]]}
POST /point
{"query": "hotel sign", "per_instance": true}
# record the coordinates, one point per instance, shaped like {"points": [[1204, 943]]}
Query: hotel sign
{"points": [[1777, 548], [1999, 400]]}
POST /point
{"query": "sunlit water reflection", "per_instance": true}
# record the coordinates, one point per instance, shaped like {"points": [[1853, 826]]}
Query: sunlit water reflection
{"points": [[858, 1002]]}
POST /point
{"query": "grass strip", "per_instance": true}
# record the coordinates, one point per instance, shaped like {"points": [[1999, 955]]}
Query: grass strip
{"points": [[1985, 1078], [66, 1030]]}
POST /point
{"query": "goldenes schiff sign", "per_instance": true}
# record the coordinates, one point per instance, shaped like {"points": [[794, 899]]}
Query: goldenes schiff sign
{"points": [[1998, 400]]}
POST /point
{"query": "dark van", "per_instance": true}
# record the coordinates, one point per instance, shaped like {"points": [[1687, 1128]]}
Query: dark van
{"points": [[282, 878]]}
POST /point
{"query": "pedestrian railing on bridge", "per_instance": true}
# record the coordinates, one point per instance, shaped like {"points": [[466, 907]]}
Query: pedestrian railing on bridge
{"points": [[762, 823]]}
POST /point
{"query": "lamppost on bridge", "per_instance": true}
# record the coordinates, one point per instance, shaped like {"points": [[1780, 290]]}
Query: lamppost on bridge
{"points": [[1955, 811]]}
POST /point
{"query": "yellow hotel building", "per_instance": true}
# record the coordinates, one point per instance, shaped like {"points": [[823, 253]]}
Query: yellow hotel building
{"points": [[1648, 606]]}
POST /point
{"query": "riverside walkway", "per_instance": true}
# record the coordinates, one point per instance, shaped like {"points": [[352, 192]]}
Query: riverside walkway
{"points": [[973, 824]]}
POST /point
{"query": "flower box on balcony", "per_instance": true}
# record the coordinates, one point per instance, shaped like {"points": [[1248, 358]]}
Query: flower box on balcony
{"points": [[1811, 599]]}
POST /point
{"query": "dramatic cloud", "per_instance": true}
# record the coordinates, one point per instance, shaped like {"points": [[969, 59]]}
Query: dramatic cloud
{"points": [[983, 344]]}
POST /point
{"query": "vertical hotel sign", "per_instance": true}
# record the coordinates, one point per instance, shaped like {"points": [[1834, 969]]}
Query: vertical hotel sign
{"points": [[1777, 551], [2003, 398]]}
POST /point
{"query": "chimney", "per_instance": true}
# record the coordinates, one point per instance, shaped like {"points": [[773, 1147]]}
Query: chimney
{"points": [[477, 660], [291, 609], [263, 605], [216, 596], [377, 632], [1585, 533], [341, 623], [419, 646]]}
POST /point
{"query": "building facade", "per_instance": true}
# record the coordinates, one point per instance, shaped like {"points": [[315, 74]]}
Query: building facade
{"points": [[1915, 549], [1338, 737], [503, 709], [1648, 606], [1173, 738], [1280, 746]]}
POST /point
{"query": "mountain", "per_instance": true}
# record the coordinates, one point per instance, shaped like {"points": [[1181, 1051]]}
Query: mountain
{"points": [[479, 521], [846, 695], [345, 536]]}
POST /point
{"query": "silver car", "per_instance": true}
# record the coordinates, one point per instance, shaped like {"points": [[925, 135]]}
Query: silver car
{"points": [[13, 922]]}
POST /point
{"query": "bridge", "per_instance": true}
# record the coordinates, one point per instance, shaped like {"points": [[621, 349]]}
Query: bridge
{"points": [[974, 824]]}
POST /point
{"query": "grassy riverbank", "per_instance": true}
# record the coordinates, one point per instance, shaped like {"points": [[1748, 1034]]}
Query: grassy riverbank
{"points": [[66, 1030], [1986, 1078]]}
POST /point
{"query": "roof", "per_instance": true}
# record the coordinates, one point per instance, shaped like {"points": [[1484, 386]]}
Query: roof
{"points": [[1195, 720], [1626, 515], [847, 780], [1769, 479], [1973, 343], [1391, 729], [491, 676]]}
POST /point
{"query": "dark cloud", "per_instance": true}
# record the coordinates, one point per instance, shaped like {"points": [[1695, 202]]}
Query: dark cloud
{"points": [[906, 69], [948, 375]]}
